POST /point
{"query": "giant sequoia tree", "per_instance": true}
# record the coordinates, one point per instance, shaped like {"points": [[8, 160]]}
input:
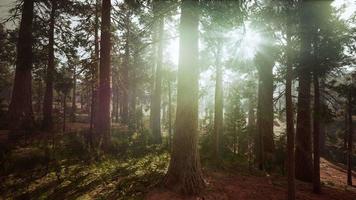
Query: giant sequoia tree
{"points": [[103, 118], [156, 100], [20, 109], [303, 152], [265, 107], [184, 172]]}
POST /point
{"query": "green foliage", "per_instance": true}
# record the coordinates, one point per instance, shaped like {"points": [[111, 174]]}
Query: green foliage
{"points": [[235, 134], [66, 167]]}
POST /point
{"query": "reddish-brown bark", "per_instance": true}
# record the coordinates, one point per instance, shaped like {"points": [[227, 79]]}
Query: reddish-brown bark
{"points": [[20, 109], [47, 122], [104, 91], [184, 172]]}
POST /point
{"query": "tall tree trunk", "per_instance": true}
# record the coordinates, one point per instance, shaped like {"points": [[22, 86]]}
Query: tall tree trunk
{"points": [[20, 108], [95, 73], [323, 125], [259, 134], [47, 122], [251, 129], [169, 115], [133, 102], [125, 75], [218, 114], [290, 119], [156, 104], [103, 117], [303, 152], [184, 172], [265, 109], [316, 135], [350, 139]]}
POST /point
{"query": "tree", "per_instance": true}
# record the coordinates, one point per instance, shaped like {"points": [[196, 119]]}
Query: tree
{"points": [[47, 122], [156, 104], [219, 104], [290, 109], [184, 172], [265, 114], [316, 133], [20, 109], [303, 152], [103, 125], [350, 133]]}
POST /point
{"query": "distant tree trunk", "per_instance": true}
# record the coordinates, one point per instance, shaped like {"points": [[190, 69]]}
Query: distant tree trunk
{"points": [[346, 130], [64, 112], [184, 172], [20, 108], [350, 140], [316, 135], [156, 104], [103, 116], [259, 136], [47, 122], [323, 125], [116, 103], [265, 109], [303, 152], [40, 96], [218, 113], [169, 115], [125, 75], [290, 119], [251, 129], [95, 72], [133, 102], [74, 92]]}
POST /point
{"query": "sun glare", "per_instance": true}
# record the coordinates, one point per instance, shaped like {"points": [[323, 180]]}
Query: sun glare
{"points": [[249, 44]]}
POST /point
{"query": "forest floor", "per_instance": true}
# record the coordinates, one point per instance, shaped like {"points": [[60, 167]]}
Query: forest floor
{"points": [[231, 185], [61, 166]]}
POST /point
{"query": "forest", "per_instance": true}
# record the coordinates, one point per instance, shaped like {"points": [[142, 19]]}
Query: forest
{"points": [[178, 99]]}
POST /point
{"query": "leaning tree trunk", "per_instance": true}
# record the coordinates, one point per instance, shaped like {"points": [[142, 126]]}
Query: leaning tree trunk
{"points": [[316, 135], [47, 122], [156, 104], [184, 172], [290, 119], [218, 113], [104, 90], [350, 139], [303, 152], [20, 108]]}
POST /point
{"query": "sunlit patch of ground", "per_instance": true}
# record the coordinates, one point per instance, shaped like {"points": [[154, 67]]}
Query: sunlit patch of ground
{"points": [[73, 171]]}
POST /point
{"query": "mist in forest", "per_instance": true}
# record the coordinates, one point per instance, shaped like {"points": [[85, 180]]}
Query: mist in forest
{"points": [[177, 99]]}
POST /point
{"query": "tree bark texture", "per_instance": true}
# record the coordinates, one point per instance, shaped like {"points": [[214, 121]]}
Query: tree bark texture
{"points": [[184, 172], [104, 90], [20, 108]]}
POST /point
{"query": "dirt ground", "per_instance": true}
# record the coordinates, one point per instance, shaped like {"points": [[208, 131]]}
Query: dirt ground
{"points": [[222, 186]]}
